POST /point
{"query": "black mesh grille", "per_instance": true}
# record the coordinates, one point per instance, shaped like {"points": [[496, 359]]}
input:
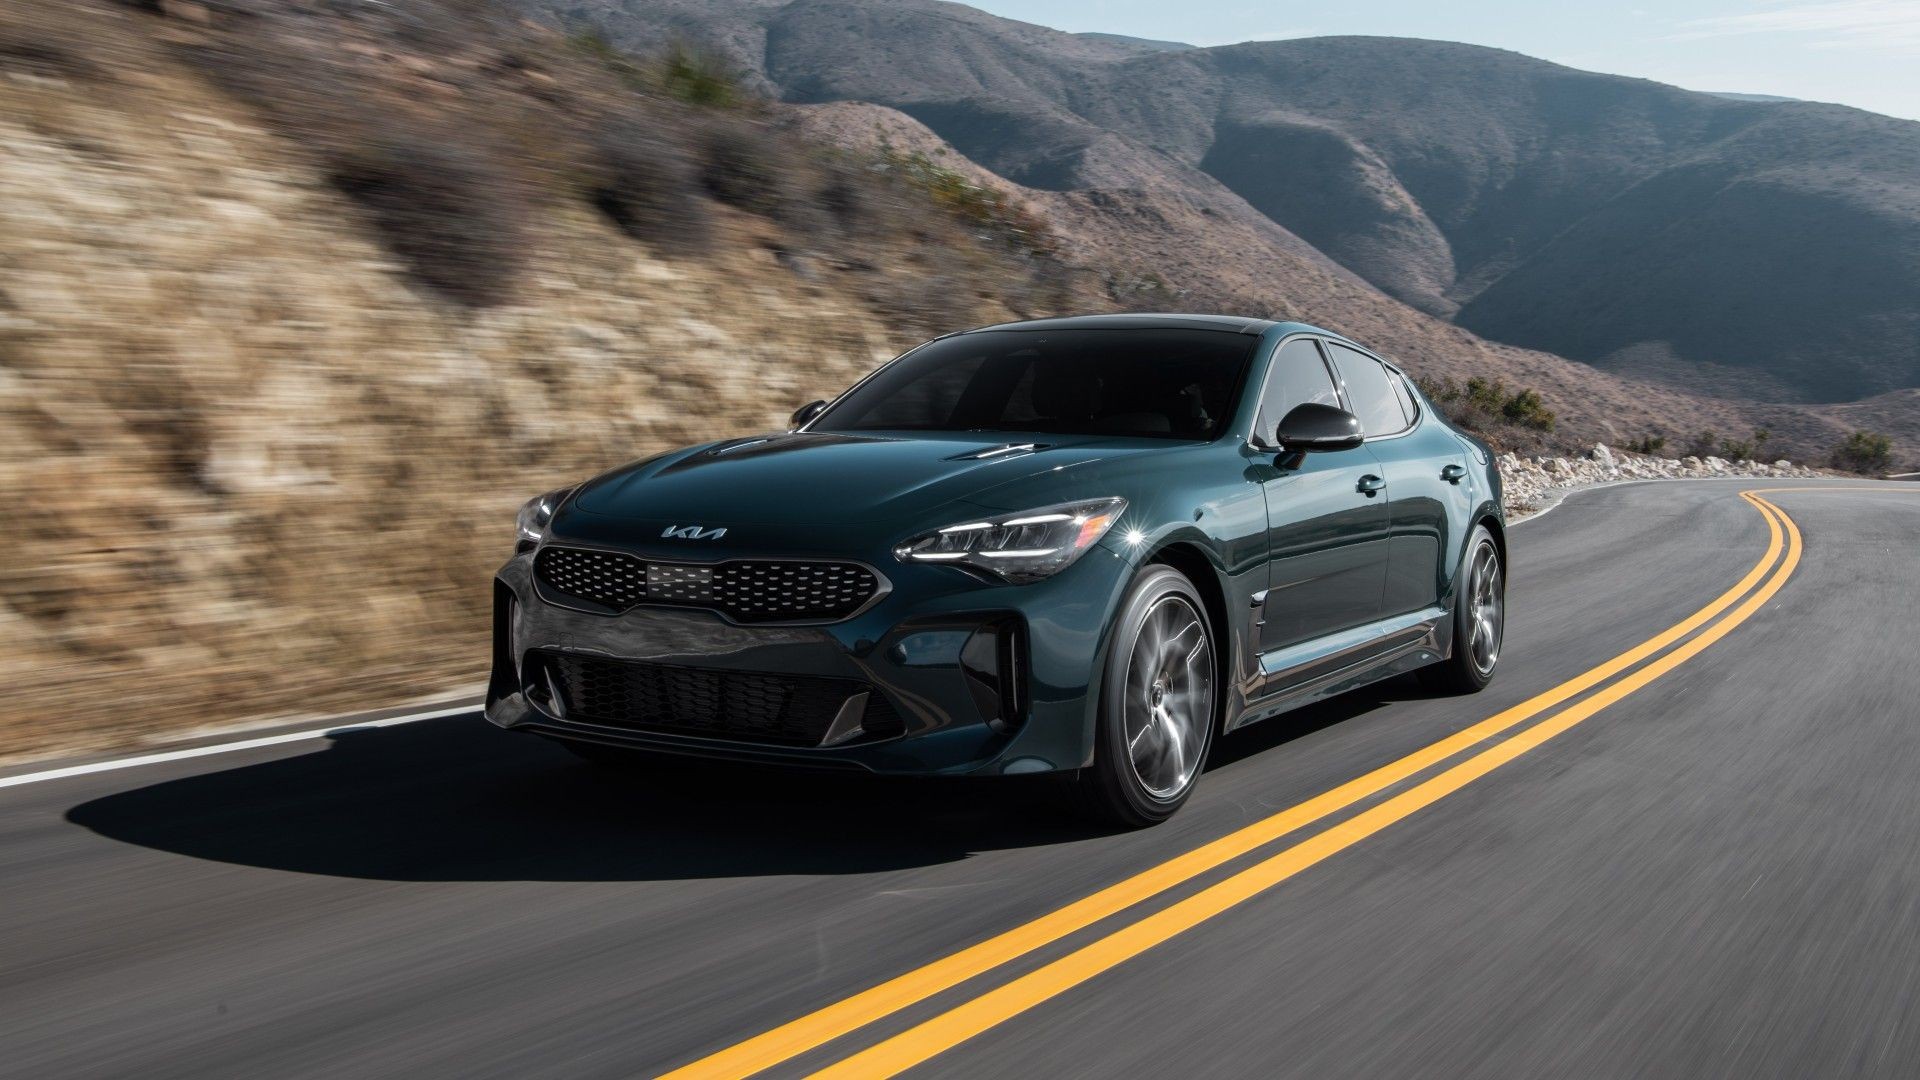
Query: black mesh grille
{"points": [[771, 591], [607, 578], [785, 710], [746, 590]]}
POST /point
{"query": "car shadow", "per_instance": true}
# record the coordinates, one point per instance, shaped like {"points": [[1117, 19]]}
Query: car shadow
{"points": [[458, 800]]}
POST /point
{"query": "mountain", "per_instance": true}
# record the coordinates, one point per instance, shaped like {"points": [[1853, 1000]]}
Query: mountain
{"points": [[1684, 238]]}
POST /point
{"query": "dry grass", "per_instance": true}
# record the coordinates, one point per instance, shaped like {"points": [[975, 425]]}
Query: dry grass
{"points": [[273, 379]]}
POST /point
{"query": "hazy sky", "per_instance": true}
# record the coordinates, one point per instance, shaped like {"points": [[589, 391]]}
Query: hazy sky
{"points": [[1864, 53]]}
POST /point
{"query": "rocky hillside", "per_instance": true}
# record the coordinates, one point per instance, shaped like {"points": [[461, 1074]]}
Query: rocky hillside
{"points": [[298, 301], [1727, 248]]}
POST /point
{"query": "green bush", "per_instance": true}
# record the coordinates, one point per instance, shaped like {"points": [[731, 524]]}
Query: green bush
{"points": [[698, 77], [1484, 404], [978, 205], [1748, 449], [1864, 452], [1648, 444]]}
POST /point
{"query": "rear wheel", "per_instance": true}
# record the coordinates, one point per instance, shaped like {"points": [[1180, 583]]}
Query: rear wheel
{"points": [[1479, 620], [1156, 707]]}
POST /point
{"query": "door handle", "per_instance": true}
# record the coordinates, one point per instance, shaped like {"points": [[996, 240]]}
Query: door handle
{"points": [[1371, 483], [1453, 474]]}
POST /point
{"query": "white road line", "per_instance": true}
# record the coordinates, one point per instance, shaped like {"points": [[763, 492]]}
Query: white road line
{"points": [[227, 748]]}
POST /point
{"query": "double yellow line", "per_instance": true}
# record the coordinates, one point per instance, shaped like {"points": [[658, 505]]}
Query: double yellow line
{"points": [[972, 1017]]}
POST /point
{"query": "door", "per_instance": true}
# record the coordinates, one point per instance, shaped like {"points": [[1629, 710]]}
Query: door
{"points": [[1327, 519], [1422, 465]]}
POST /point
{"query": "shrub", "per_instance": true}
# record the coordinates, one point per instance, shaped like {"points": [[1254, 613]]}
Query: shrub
{"points": [[1483, 405], [643, 181], [1524, 408], [1648, 444], [1705, 444], [1748, 449], [698, 77], [975, 204], [741, 166], [1864, 452], [440, 209]]}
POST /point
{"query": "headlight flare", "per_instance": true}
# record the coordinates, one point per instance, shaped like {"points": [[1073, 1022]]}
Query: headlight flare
{"points": [[1020, 548]]}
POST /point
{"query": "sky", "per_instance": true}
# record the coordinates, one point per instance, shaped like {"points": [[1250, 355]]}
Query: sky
{"points": [[1864, 53]]}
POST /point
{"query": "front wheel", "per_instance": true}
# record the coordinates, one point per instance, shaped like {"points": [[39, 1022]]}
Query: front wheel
{"points": [[1157, 705], [1479, 620]]}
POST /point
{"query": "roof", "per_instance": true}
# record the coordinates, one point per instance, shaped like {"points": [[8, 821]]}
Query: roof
{"points": [[1238, 324]]}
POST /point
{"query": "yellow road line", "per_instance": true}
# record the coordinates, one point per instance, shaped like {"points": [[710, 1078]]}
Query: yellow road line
{"points": [[969, 1019], [857, 1011]]}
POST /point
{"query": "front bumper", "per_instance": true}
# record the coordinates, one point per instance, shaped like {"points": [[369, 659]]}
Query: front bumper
{"points": [[1035, 713]]}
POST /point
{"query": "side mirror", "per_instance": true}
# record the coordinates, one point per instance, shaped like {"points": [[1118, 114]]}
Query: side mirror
{"points": [[805, 413], [1316, 428]]}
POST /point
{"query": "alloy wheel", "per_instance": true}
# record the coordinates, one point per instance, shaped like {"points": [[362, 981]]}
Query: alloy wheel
{"points": [[1487, 603], [1169, 697]]}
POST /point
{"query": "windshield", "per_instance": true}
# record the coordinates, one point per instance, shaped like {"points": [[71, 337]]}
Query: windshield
{"points": [[1163, 384]]}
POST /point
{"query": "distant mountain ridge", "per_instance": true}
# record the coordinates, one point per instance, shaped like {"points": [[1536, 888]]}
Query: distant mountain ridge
{"points": [[1688, 238]]}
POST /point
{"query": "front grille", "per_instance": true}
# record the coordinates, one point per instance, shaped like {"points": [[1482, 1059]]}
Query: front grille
{"points": [[782, 710], [745, 590]]}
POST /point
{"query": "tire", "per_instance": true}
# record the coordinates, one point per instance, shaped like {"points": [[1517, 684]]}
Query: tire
{"points": [[1479, 620], [1158, 705]]}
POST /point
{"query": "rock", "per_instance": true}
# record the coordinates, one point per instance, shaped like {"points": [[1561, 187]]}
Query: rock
{"points": [[1783, 463], [1603, 455]]}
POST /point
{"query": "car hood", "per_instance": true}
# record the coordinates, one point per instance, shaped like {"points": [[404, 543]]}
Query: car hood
{"points": [[808, 478]]}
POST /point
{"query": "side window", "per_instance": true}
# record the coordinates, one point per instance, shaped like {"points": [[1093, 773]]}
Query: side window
{"points": [[1374, 399], [1405, 395], [1296, 376]]}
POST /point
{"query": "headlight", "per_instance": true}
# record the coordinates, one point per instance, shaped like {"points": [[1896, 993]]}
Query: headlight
{"points": [[530, 525], [1019, 547]]}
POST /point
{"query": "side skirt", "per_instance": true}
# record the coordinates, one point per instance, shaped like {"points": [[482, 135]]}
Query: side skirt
{"points": [[1305, 673]]}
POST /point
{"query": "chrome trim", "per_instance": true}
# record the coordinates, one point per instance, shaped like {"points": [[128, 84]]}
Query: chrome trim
{"points": [[846, 724], [883, 588], [1010, 448]]}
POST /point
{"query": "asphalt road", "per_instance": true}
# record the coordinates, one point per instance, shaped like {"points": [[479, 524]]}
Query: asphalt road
{"points": [[1714, 871]]}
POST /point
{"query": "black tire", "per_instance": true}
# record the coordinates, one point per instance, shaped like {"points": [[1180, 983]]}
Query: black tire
{"points": [[1165, 688], [1479, 608]]}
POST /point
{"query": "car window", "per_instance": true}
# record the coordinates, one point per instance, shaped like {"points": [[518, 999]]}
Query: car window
{"points": [[1165, 384], [1369, 390], [1296, 376], [1405, 395]]}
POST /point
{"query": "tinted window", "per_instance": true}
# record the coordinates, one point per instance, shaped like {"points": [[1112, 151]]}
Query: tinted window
{"points": [[1296, 376], [1370, 391], [1169, 384], [1405, 395]]}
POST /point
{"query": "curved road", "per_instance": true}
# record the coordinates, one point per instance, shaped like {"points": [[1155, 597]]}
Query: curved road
{"points": [[1701, 859]]}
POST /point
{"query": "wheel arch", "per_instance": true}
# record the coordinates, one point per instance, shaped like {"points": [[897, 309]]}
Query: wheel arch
{"points": [[1194, 564], [1498, 530]]}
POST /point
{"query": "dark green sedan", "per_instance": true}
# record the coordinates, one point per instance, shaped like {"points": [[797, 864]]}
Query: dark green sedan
{"points": [[1082, 546]]}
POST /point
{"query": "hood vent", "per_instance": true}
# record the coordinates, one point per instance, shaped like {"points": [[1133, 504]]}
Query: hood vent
{"points": [[1001, 451]]}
